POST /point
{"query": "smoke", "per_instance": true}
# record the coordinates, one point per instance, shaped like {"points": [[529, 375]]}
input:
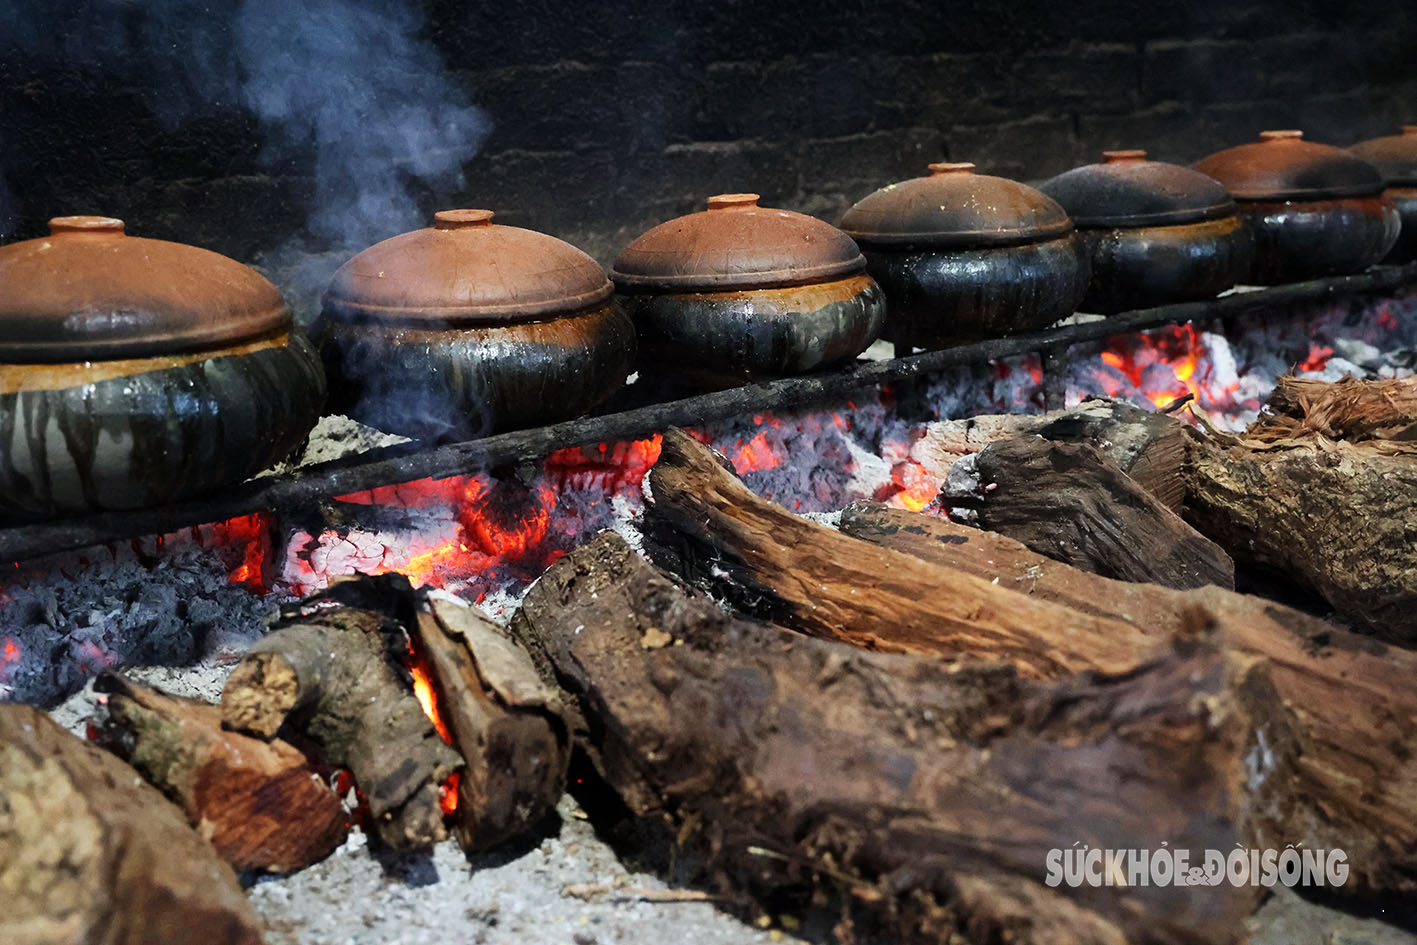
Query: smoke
{"points": [[350, 82]]}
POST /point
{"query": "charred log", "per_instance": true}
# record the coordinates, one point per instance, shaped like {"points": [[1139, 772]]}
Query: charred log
{"points": [[503, 720], [1351, 698], [927, 793], [326, 672], [1069, 501], [704, 524], [260, 803], [91, 853]]}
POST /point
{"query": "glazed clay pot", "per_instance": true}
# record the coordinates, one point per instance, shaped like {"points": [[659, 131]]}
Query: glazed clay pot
{"points": [[740, 292], [1314, 210], [1395, 157], [469, 328], [964, 256], [1155, 233], [135, 372]]}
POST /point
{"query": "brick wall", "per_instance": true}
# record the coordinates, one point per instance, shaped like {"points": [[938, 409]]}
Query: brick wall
{"points": [[611, 116]]}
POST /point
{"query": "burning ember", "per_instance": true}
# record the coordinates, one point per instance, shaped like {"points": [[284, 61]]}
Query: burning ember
{"points": [[427, 695], [1166, 365]]}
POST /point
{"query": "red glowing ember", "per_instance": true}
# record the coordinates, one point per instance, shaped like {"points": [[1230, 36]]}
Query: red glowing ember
{"points": [[1318, 358], [1164, 366], [607, 468], [10, 652]]}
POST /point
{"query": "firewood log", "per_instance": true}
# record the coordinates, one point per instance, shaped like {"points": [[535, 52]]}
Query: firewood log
{"points": [[1347, 410], [705, 524], [260, 803], [1070, 502], [91, 853], [1353, 703], [928, 793], [327, 671], [503, 720]]}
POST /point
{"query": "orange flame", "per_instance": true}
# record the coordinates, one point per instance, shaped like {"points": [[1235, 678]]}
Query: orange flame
{"points": [[427, 696], [1181, 349]]}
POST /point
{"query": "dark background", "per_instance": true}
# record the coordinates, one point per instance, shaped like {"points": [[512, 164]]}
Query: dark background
{"points": [[606, 118]]}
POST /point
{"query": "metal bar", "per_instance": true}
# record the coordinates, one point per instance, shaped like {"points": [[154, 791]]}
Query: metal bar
{"points": [[320, 482]]}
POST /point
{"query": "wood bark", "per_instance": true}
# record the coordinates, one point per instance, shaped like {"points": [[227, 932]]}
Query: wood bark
{"points": [[260, 804], [504, 721], [705, 524], [926, 793], [327, 672], [1070, 502], [90, 853], [1354, 709], [1346, 410]]}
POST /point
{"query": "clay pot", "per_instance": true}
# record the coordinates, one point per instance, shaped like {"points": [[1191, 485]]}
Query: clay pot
{"points": [[469, 328], [1155, 233], [1395, 157], [740, 292], [964, 256], [1314, 210], [135, 372]]}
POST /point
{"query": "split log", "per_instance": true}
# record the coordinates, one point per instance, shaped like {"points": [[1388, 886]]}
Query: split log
{"points": [[930, 794], [705, 524], [1070, 502], [1346, 410], [328, 670], [503, 720], [91, 853], [1353, 704], [260, 803]]}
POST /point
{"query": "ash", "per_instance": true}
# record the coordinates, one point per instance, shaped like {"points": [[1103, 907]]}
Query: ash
{"points": [[86, 616]]}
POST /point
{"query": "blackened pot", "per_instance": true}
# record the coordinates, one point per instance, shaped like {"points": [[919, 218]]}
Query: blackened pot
{"points": [[136, 372], [740, 293], [964, 256], [1395, 157], [467, 328], [1313, 210]]}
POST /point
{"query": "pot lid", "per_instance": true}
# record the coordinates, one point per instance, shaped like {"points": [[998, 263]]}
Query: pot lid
{"points": [[1395, 156], [466, 270], [956, 208], [1282, 165], [736, 244], [89, 292], [1128, 190]]}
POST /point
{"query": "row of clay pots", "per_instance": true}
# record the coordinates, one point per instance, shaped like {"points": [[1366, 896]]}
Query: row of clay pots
{"points": [[135, 372]]}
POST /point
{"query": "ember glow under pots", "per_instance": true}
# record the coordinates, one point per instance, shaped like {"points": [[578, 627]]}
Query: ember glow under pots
{"points": [[740, 292], [964, 256], [1314, 210], [135, 372], [1395, 157], [469, 328], [1154, 233]]}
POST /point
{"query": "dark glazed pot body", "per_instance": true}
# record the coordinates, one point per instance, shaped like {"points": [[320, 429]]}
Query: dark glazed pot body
{"points": [[1404, 201], [136, 372], [466, 328], [110, 435], [944, 297], [722, 338], [1313, 210], [459, 383], [1309, 239], [1146, 266]]}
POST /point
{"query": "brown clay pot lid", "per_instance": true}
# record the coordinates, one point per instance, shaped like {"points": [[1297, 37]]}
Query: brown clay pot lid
{"points": [[1395, 156], [1283, 166], [955, 208], [89, 292], [466, 270], [1127, 190], [736, 244]]}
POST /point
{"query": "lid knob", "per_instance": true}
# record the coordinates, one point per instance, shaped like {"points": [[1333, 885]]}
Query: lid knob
{"points": [[1117, 157], [951, 167], [59, 225], [733, 201], [460, 219], [1282, 135]]}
